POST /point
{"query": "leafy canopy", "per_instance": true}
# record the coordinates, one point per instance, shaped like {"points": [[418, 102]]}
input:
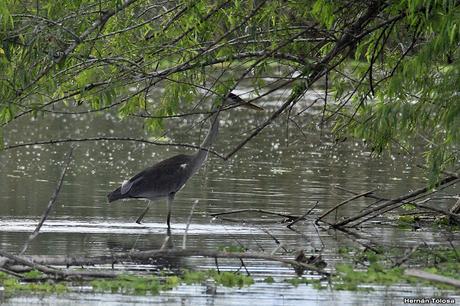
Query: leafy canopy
{"points": [[393, 66]]}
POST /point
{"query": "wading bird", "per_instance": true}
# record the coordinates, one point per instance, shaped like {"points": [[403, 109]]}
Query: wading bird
{"points": [[167, 177]]}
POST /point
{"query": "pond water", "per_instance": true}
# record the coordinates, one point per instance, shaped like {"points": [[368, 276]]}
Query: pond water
{"points": [[283, 170]]}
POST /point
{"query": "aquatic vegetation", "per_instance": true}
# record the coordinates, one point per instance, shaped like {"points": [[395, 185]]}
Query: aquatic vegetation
{"points": [[135, 284], [34, 274], [13, 284], [379, 269], [230, 279], [232, 248], [359, 270], [269, 280], [129, 284]]}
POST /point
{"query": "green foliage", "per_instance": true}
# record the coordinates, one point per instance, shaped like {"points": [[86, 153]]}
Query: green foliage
{"points": [[232, 248], [13, 285], [230, 279], [135, 284], [130, 284], [376, 269], [296, 281], [350, 279], [34, 274], [414, 94], [194, 277], [395, 74], [269, 280]]}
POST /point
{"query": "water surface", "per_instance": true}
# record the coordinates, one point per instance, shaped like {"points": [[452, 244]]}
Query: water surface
{"points": [[284, 169]]}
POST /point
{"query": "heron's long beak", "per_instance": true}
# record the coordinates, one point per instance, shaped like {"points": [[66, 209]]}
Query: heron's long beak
{"points": [[241, 102], [252, 106]]}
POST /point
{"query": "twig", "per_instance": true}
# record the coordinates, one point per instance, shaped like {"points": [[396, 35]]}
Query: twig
{"points": [[343, 203], [393, 201], [244, 266], [50, 203], [399, 204], [432, 277], [407, 256], [217, 264], [359, 239], [453, 216], [303, 216], [370, 195], [279, 244], [56, 141], [189, 219], [254, 210]]}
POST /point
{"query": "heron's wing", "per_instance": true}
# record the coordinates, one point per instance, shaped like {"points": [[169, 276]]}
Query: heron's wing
{"points": [[126, 185], [161, 179]]}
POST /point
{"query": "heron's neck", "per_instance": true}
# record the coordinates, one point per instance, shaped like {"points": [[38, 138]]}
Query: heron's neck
{"points": [[208, 140]]}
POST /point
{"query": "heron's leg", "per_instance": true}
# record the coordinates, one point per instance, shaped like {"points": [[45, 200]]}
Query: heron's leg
{"points": [[138, 221], [168, 220]]}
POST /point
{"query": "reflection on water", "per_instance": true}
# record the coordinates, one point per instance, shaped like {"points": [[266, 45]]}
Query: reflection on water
{"points": [[98, 226], [259, 294], [282, 170]]}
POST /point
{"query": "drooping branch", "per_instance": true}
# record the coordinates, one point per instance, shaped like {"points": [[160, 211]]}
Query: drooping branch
{"points": [[318, 70], [70, 140]]}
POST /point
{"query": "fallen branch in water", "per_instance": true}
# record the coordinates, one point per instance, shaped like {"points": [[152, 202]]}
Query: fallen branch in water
{"points": [[394, 203], [343, 203], [433, 277], [303, 216], [57, 273], [254, 210], [40, 262]]}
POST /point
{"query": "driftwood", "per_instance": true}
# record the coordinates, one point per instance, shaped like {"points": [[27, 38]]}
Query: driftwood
{"points": [[41, 262], [57, 273], [303, 216], [432, 277], [343, 203], [263, 211], [453, 216], [456, 211], [394, 203]]}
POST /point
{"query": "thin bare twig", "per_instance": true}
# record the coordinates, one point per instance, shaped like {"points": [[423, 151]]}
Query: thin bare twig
{"points": [[189, 219], [157, 143], [343, 203], [391, 202], [303, 216], [263, 211], [50, 203]]}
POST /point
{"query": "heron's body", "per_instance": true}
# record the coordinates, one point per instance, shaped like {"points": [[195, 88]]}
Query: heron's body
{"points": [[158, 181], [167, 177]]}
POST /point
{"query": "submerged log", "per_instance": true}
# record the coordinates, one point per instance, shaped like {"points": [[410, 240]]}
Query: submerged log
{"points": [[41, 261], [433, 277]]}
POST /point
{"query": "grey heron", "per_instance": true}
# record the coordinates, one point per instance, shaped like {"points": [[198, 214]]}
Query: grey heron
{"points": [[166, 178]]}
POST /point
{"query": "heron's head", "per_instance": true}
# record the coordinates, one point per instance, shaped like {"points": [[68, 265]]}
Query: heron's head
{"points": [[236, 101]]}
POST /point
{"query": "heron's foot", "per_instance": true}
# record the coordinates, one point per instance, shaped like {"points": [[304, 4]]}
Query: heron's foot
{"points": [[139, 220]]}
